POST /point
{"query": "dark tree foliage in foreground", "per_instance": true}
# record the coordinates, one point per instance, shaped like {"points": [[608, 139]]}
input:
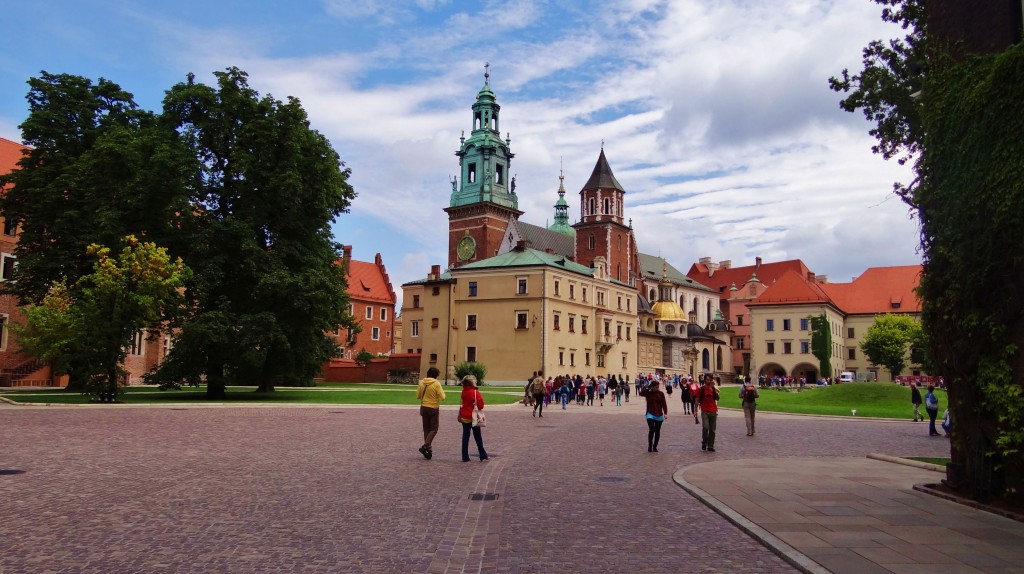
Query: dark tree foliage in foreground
{"points": [[958, 118]]}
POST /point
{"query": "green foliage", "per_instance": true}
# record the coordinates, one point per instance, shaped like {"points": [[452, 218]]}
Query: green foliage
{"points": [[85, 330], [364, 357], [876, 400], [888, 339], [821, 343], [478, 370]]}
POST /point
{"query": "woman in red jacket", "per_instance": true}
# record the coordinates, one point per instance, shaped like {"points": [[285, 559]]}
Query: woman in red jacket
{"points": [[471, 397], [657, 412]]}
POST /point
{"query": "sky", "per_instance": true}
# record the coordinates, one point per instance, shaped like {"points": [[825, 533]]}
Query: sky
{"points": [[715, 116]]}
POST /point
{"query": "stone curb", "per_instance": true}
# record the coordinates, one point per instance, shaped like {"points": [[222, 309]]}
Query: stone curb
{"points": [[930, 489], [908, 462], [794, 557]]}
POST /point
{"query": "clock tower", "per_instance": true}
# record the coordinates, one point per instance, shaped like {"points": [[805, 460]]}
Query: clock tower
{"points": [[483, 199]]}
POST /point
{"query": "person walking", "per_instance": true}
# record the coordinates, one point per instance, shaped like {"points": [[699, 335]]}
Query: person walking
{"points": [[684, 395], [749, 396], [602, 387], [707, 405], [625, 388], [471, 400], [931, 404], [430, 394], [915, 398], [537, 392], [657, 412], [694, 389]]}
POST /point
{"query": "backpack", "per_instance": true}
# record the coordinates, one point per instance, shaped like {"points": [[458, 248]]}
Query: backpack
{"points": [[750, 395]]}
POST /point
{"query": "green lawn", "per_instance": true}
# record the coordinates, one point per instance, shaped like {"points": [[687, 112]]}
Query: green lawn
{"points": [[372, 394], [877, 400], [939, 460]]}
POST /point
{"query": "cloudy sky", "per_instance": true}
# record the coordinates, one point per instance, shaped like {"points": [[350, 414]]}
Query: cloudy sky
{"points": [[715, 115]]}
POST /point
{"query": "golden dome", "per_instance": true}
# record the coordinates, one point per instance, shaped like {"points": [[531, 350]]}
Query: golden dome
{"points": [[668, 311]]}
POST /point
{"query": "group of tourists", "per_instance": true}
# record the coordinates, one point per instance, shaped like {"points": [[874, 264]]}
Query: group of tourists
{"points": [[931, 406], [430, 393], [569, 389]]}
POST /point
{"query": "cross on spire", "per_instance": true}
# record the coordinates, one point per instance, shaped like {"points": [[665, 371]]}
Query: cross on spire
{"points": [[487, 73]]}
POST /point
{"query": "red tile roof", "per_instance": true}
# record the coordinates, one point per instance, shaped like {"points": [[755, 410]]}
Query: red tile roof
{"points": [[879, 290], [721, 279], [791, 288], [369, 282]]}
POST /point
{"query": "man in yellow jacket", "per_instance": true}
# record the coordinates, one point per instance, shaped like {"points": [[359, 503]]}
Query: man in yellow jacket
{"points": [[430, 394]]}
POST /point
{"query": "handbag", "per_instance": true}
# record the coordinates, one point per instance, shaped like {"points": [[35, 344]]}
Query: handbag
{"points": [[479, 420]]}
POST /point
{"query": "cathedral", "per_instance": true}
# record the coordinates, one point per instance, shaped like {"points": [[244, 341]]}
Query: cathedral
{"points": [[564, 299]]}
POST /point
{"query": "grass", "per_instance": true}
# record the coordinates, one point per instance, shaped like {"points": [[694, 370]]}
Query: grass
{"points": [[349, 394], [875, 400], [939, 460]]}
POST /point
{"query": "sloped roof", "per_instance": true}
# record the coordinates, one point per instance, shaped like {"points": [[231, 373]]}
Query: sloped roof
{"points": [[721, 279], [543, 239], [367, 282], [879, 290], [651, 268], [792, 288], [10, 155], [602, 177], [528, 258]]}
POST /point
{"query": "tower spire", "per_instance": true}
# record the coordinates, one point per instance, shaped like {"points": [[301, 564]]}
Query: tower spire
{"points": [[487, 73]]}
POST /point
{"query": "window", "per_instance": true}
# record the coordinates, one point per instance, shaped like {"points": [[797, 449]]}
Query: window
{"points": [[472, 288], [592, 243], [415, 328], [561, 358], [627, 304], [10, 228], [572, 324], [600, 298], [583, 326], [369, 312], [629, 333], [607, 328], [499, 174], [135, 347], [9, 262], [521, 287], [433, 357], [435, 291], [771, 347], [471, 322], [787, 348], [618, 332], [739, 319], [769, 325], [572, 291], [471, 354], [804, 324], [557, 323], [383, 314], [600, 360], [741, 343], [586, 358], [851, 354], [593, 209], [557, 285], [619, 302], [849, 333], [572, 359], [375, 334], [623, 361], [607, 205], [584, 294], [805, 347], [786, 325], [520, 320], [415, 302], [471, 172], [434, 322]]}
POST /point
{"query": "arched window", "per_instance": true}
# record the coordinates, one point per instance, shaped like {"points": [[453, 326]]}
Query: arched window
{"points": [[705, 360], [709, 312], [607, 205], [651, 298], [718, 359], [592, 207], [682, 302], [592, 242], [693, 309], [618, 271]]}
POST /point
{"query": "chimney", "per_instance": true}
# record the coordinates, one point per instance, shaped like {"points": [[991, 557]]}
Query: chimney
{"points": [[810, 276], [521, 245], [346, 251], [704, 260], [549, 250], [757, 263], [725, 264], [435, 273], [822, 278]]}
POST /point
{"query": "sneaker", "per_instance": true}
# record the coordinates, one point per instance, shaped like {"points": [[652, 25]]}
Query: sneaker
{"points": [[711, 449], [703, 446], [425, 452]]}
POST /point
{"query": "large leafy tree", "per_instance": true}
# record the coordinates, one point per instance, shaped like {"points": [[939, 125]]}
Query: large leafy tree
{"points": [[97, 170], [958, 118], [888, 340], [85, 328], [267, 285]]}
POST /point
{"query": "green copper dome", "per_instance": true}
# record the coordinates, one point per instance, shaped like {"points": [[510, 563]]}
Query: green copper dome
{"points": [[561, 223]]}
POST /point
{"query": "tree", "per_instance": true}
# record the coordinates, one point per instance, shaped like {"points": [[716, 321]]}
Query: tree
{"points": [[97, 170], [821, 343], [267, 285], [85, 329], [363, 359], [958, 116], [888, 340]]}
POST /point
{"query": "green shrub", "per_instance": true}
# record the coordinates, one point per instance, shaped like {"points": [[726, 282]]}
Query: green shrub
{"points": [[478, 370]]}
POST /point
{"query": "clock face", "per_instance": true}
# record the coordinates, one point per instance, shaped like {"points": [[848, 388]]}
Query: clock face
{"points": [[466, 248]]}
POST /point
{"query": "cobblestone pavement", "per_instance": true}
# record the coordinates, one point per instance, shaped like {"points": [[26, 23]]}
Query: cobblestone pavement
{"points": [[342, 489]]}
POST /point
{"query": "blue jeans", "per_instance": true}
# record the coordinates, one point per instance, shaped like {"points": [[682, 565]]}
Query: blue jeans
{"points": [[932, 413], [466, 429], [565, 398]]}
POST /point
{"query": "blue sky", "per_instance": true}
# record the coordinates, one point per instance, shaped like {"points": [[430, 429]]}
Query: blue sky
{"points": [[716, 116]]}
